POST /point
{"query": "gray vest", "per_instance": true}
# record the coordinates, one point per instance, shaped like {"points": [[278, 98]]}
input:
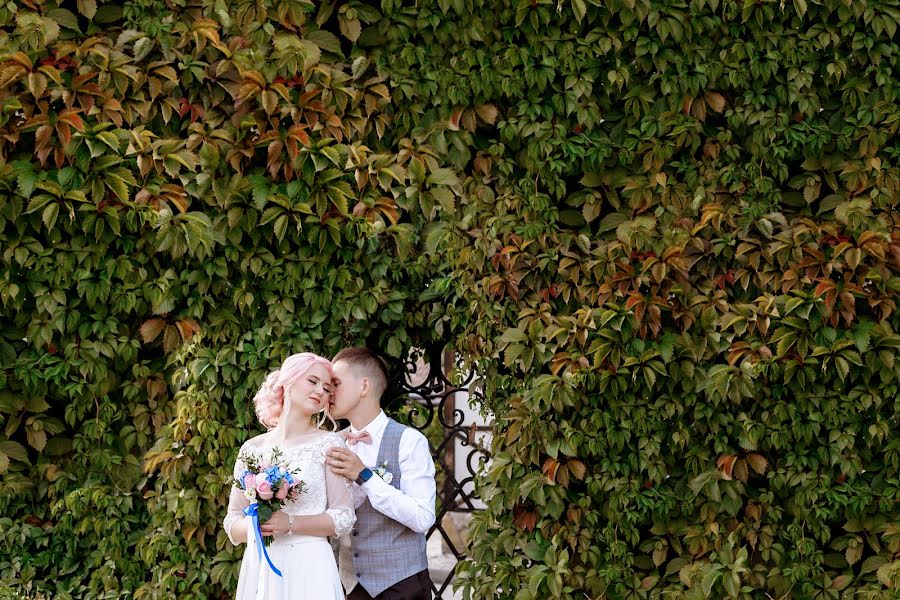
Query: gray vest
{"points": [[384, 551]]}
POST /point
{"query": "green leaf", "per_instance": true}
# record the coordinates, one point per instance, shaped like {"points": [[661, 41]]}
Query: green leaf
{"points": [[580, 9], [64, 17], [265, 513], [87, 7], [873, 563], [359, 66], [611, 221], [325, 40], [51, 212], [25, 181], [443, 177], [7, 352], [572, 218], [36, 404], [14, 450], [270, 214], [280, 228], [444, 197], [709, 580], [37, 438]]}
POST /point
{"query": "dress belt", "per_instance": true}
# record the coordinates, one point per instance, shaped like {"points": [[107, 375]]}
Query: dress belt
{"points": [[282, 539]]}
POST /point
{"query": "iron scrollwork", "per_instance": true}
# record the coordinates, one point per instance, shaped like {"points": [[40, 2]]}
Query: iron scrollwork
{"points": [[430, 401]]}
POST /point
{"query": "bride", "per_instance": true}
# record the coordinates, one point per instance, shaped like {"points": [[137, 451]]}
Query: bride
{"points": [[288, 403]]}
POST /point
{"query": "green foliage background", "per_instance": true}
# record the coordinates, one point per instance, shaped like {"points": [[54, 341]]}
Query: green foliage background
{"points": [[666, 233], [189, 195]]}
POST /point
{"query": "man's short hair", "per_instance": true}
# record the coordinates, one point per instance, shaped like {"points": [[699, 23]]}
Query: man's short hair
{"points": [[368, 364]]}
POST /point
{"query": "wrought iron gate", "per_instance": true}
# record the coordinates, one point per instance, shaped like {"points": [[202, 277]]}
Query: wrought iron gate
{"points": [[432, 406]]}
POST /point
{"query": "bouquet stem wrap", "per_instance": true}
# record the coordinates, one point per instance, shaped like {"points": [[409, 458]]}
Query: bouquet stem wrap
{"points": [[252, 511]]}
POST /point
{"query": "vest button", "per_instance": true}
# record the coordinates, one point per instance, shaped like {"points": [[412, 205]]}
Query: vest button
{"points": [[356, 555], [358, 575], [355, 533]]}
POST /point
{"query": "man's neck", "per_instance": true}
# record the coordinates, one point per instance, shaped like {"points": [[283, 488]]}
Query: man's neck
{"points": [[362, 420]]}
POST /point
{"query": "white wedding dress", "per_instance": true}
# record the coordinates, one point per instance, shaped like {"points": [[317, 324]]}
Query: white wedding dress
{"points": [[307, 564]]}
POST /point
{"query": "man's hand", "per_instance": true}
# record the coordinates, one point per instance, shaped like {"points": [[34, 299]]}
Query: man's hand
{"points": [[344, 462]]}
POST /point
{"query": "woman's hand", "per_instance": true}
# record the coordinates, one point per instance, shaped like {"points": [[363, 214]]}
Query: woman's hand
{"points": [[277, 524]]}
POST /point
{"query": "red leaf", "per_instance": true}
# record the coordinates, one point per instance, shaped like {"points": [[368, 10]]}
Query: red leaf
{"points": [[525, 519]]}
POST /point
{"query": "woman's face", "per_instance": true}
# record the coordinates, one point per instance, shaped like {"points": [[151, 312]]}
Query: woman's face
{"points": [[311, 392]]}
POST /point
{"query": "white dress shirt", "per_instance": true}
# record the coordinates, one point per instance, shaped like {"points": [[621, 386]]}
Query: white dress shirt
{"points": [[413, 504]]}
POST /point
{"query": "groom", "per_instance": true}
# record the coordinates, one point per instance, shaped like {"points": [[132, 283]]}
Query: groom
{"points": [[392, 465]]}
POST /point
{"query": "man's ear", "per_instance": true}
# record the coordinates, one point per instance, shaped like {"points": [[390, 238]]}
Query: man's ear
{"points": [[364, 387]]}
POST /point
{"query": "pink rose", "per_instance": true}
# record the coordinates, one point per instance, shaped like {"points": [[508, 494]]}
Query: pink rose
{"points": [[264, 489], [249, 481], [282, 493]]}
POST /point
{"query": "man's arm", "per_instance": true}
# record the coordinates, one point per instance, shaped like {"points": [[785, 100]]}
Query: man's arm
{"points": [[413, 504]]}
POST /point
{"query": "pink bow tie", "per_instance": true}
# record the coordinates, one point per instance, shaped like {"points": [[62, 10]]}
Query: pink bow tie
{"points": [[363, 436]]}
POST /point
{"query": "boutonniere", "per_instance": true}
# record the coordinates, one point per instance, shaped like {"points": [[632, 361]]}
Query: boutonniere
{"points": [[382, 472]]}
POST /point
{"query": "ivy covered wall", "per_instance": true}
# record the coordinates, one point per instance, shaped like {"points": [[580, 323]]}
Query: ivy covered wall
{"points": [[188, 195], [680, 245], [666, 233]]}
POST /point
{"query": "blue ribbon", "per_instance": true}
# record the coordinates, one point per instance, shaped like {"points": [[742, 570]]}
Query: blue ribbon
{"points": [[252, 511]]}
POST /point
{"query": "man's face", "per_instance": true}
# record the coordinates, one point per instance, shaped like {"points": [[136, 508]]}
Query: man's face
{"points": [[345, 390]]}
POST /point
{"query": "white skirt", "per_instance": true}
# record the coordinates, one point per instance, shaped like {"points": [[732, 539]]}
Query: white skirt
{"points": [[308, 570]]}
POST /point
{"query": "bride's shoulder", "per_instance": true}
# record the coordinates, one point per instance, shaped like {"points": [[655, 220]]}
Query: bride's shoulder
{"points": [[256, 442], [332, 438]]}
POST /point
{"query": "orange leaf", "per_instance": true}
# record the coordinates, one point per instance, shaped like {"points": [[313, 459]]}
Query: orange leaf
{"points": [[62, 130], [559, 362], [725, 464], [453, 122], [71, 117], [151, 329], [633, 300], [715, 101], [488, 113], [579, 470], [824, 287], [299, 132], [187, 328], [551, 466], [757, 462], [171, 338]]}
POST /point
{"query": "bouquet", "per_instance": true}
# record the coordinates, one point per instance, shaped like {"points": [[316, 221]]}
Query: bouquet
{"points": [[268, 485]]}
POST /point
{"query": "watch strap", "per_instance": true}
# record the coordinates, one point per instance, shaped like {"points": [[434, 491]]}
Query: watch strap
{"points": [[364, 476]]}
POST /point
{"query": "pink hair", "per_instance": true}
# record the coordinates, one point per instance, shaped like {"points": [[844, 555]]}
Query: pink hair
{"points": [[269, 400]]}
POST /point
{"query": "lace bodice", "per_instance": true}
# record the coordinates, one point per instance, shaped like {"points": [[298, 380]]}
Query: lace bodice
{"points": [[324, 492]]}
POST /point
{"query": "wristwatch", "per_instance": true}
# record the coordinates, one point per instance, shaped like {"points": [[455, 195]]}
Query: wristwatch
{"points": [[364, 476]]}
